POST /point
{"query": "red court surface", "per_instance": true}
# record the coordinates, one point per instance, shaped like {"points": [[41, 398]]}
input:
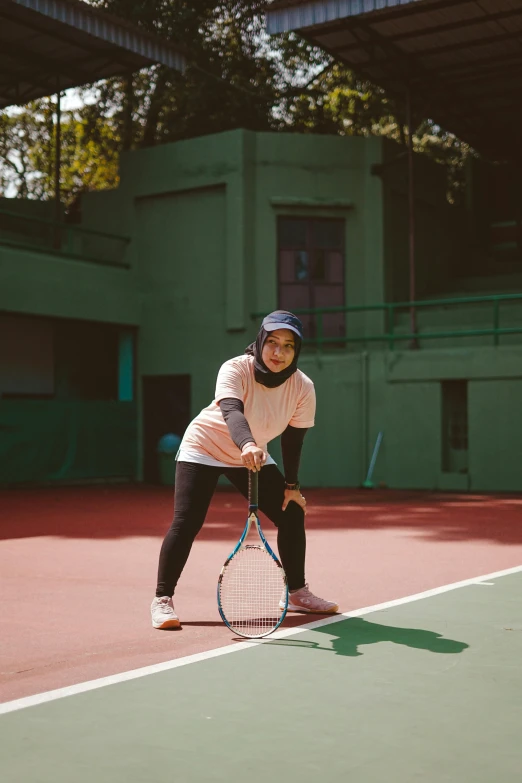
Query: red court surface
{"points": [[78, 568]]}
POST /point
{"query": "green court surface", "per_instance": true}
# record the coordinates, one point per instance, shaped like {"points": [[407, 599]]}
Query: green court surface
{"points": [[425, 690]]}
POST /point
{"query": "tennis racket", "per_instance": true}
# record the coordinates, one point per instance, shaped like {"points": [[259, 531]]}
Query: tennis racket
{"points": [[252, 581]]}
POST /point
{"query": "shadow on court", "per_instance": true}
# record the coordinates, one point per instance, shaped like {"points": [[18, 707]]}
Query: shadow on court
{"points": [[112, 512], [350, 634]]}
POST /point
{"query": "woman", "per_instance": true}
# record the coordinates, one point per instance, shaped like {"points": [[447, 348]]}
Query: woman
{"points": [[259, 396]]}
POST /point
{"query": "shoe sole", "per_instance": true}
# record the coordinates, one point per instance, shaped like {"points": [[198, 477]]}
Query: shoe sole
{"points": [[167, 624], [302, 610]]}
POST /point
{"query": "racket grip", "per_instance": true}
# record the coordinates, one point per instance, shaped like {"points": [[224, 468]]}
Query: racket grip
{"points": [[252, 490]]}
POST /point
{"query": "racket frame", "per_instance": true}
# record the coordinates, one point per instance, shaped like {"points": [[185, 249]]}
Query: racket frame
{"points": [[253, 518]]}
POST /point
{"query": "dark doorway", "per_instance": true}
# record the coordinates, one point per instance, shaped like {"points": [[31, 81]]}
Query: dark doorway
{"points": [[166, 409]]}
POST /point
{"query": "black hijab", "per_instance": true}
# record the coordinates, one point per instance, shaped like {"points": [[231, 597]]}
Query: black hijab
{"points": [[279, 319]]}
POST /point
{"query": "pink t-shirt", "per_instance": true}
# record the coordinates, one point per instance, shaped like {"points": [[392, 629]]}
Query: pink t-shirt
{"points": [[267, 411]]}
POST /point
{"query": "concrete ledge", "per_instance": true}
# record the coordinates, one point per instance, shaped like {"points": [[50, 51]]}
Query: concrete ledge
{"points": [[464, 363]]}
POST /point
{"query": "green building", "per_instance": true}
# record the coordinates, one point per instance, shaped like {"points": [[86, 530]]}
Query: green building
{"points": [[113, 327]]}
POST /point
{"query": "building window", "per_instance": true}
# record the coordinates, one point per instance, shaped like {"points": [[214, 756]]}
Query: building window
{"points": [[455, 426], [311, 270]]}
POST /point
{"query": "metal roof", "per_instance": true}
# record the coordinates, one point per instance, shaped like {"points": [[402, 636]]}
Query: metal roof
{"points": [[41, 40], [462, 59]]}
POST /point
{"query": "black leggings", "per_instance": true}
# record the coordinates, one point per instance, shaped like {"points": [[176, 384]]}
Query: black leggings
{"points": [[195, 485]]}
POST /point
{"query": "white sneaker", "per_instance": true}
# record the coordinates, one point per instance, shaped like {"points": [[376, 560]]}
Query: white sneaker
{"points": [[305, 601], [163, 614]]}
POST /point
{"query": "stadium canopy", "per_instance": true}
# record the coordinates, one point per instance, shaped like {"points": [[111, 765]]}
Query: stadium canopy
{"points": [[458, 61], [47, 46]]}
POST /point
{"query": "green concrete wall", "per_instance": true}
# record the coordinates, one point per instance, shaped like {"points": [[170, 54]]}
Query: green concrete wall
{"points": [[402, 398], [44, 284], [40, 282], [495, 429], [202, 215]]}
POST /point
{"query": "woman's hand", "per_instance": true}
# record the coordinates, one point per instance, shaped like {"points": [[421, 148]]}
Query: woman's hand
{"points": [[253, 457], [295, 495]]}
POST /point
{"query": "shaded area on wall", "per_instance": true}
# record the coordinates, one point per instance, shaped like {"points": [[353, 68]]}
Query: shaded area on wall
{"points": [[51, 440], [86, 360]]}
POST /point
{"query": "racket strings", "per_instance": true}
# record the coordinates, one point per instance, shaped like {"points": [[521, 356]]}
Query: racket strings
{"points": [[251, 587]]}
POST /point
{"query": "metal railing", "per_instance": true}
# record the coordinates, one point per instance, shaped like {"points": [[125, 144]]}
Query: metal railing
{"points": [[64, 239], [391, 336]]}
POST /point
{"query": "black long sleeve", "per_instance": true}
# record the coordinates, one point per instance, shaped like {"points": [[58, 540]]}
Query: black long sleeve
{"points": [[291, 446], [233, 412]]}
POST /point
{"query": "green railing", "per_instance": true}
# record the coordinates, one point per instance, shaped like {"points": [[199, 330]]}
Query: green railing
{"points": [[392, 337], [64, 239]]}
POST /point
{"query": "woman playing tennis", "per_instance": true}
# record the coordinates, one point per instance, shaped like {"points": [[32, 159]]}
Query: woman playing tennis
{"points": [[259, 396]]}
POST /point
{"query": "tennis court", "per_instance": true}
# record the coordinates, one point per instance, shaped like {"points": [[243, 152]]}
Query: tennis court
{"points": [[420, 677]]}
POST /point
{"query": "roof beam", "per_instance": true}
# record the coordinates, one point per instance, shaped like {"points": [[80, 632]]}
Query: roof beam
{"points": [[35, 59], [508, 92], [492, 74], [25, 97], [380, 15], [421, 54], [30, 24], [349, 48], [473, 67], [413, 8], [99, 49], [100, 25], [512, 35], [450, 26]]}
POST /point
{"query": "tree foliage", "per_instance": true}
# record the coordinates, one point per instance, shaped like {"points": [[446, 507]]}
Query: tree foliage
{"points": [[236, 77]]}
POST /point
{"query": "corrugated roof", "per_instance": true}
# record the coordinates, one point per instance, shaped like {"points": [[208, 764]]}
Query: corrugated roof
{"points": [[285, 15], [43, 40], [462, 59]]}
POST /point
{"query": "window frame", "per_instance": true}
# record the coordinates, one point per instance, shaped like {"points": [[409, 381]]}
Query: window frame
{"points": [[310, 248]]}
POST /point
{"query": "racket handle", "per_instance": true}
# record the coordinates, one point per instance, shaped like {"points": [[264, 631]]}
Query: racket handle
{"points": [[252, 490]]}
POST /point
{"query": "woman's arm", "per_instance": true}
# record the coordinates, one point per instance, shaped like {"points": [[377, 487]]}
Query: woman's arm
{"points": [[291, 447], [233, 412]]}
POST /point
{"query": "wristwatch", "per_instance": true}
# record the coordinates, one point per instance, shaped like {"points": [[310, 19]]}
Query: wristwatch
{"points": [[292, 486]]}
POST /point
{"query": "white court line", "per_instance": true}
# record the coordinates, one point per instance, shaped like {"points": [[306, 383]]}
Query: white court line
{"points": [[113, 679]]}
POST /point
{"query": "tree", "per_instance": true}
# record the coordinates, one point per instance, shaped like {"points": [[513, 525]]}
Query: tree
{"points": [[90, 149]]}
